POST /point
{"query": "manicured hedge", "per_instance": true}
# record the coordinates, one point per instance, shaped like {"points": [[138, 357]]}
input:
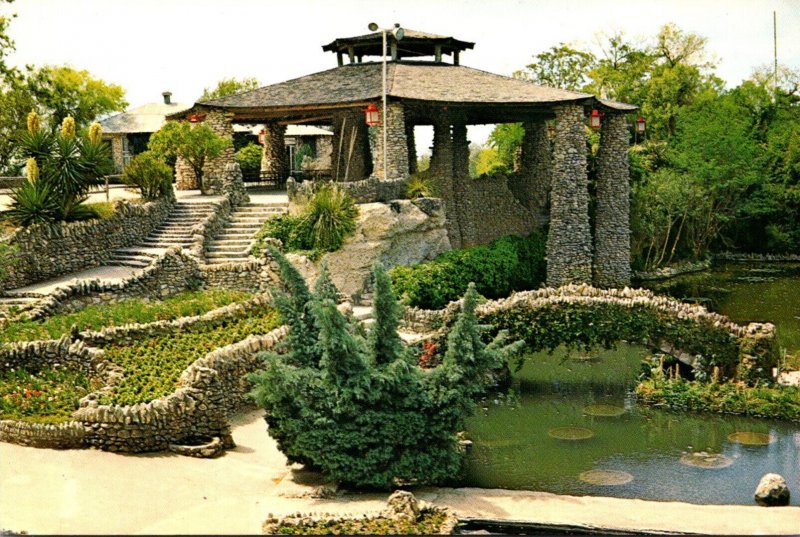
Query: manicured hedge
{"points": [[508, 264]]}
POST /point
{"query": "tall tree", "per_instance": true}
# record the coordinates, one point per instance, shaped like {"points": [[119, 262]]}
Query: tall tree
{"points": [[229, 86], [562, 66], [6, 43]]}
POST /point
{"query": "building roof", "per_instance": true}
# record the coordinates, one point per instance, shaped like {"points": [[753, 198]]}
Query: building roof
{"points": [[143, 119], [421, 81], [414, 43], [291, 130]]}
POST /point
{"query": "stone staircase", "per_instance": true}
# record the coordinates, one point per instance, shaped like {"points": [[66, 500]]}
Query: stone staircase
{"points": [[10, 302], [176, 230], [233, 243]]}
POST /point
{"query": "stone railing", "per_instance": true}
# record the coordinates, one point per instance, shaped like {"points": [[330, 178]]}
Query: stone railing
{"points": [[208, 391], [366, 191], [46, 251], [756, 344], [204, 231]]}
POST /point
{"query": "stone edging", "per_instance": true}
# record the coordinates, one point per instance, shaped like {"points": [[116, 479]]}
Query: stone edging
{"points": [[670, 272], [772, 258]]}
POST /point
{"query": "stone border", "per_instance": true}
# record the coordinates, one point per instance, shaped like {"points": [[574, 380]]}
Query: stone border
{"points": [[769, 258], [208, 391], [666, 273]]}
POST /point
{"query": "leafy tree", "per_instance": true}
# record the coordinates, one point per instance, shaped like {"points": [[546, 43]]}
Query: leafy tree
{"points": [[505, 138], [196, 144], [560, 67], [6, 43], [362, 411], [229, 86], [15, 103], [61, 91], [249, 157]]}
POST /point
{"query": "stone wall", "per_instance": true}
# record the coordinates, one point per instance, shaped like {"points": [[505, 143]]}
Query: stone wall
{"points": [[116, 152], [47, 251], [256, 276], [396, 145], [531, 180], [612, 242], [185, 178], [569, 242], [274, 166], [352, 160], [221, 122]]}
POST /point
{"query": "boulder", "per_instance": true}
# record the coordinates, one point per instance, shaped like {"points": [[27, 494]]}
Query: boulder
{"points": [[772, 490], [402, 505]]}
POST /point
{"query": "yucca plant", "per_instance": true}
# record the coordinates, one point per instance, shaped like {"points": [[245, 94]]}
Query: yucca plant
{"points": [[420, 185], [328, 218], [33, 203]]}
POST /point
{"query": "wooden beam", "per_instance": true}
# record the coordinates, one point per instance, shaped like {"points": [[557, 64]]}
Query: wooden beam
{"points": [[299, 121], [351, 52], [438, 51]]}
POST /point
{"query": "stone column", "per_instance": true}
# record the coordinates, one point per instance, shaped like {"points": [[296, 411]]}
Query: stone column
{"points": [[612, 242], [441, 170], [412, 149], [351, 158], [460, 150], [116, 152], [185, 178], [221, 122], [531, 185], [396, 145], [274, 167], [569, 242]]}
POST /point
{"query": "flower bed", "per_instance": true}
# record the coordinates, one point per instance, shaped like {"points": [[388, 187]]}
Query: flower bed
{"points": [[47, 396]]}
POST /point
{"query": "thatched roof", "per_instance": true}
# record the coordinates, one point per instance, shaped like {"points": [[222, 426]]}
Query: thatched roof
{"points": [[143, 119]]}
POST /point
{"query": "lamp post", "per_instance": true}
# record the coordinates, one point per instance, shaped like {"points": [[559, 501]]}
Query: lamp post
{"points": [[398, 33]]}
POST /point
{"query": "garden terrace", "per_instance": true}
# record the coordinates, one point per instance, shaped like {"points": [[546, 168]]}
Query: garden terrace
{"points": [[450, 97], [583, 315]]}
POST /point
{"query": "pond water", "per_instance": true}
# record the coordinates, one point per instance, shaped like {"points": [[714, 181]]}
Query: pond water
{"points": [[572, 427], [745, 292]]}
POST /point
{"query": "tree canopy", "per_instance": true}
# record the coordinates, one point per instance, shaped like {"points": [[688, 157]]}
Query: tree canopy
{"points": [[229, 86]]}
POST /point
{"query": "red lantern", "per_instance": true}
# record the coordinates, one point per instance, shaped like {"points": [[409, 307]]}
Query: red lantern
{"points": [[194, 118], [594, 118], [640, 125], [551, 130], [372, 115], [262, 136]]}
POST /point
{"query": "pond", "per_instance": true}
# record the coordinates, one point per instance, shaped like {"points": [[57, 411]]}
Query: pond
{"points": [[572, 427]]}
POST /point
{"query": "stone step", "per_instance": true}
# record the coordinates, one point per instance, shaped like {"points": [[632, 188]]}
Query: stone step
{"points": [[236, 249], [165, 243], [227, 255], [124, 262], [362, 313], [9, 301], [244, 241], [171, 233], [134, 250]]}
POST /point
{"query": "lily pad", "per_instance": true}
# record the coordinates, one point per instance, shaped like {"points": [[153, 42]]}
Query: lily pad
{"points": [[606, 477], [604, 411], [750, 438], [571, 433], [702, 459]]}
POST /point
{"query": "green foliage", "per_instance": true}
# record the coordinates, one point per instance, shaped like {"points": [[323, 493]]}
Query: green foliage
{"points": [[152, 365], [194, 143], [508, 264], [33, 203], [489, 162], [97, 317], [249, 157], [102, 209], [327, 219], [15, 103], [429, 523], [229, 86], [303, 151], [420, 185], [46, 396], [150, 174], [560, 67], [778, 402], [362, 411], [505, 138], [285, 228]]}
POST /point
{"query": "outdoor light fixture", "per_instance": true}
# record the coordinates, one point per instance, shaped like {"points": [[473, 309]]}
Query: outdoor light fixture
{"points": [[372, 115], [640, 125], [194, 118], [262, 136], [551, 130], [594, 118], [398, 34]]}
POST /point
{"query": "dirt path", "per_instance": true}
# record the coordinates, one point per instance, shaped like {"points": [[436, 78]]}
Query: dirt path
{"points": [[89, 491]]}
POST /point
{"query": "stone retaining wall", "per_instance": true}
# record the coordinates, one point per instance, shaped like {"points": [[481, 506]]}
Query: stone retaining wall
{"points": [[367, 191], [255, 276], [47, 251], [756, 341]]}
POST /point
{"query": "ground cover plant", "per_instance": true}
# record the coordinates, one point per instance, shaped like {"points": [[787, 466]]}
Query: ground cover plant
{"points": [[360, 409], [429, 523], [507, 264], [152, 365], [47, 396], [780, 402], [96, 317]]}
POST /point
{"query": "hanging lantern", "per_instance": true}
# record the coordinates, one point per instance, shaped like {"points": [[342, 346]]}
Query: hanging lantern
{"points": [[551, 130], [641, 124], [594, 118], [194, 118], [262, 136], [372, 115]]}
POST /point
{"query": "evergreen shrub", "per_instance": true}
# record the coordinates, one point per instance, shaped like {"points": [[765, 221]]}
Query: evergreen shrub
{"points": [[510, 263], [150, 174], [360, 409]]}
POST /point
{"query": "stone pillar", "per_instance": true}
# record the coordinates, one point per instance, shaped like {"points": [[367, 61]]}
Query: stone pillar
{"points": [[116, 153], [533, 166], [274, 167], [185, 178], [396, 143], [460, 151], [441, 170], [612, 242], [569, 242], [351, 158], [221, 122], [412, 149]]}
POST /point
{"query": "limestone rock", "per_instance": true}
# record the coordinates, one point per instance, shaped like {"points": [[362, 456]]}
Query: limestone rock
{"points": [[772, 490], [402, 505]]}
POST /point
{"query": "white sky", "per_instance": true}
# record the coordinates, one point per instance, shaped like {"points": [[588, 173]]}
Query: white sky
{"points": [[149, 46]]}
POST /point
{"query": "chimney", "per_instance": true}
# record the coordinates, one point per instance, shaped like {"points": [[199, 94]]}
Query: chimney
{"points": [[167, 95]]}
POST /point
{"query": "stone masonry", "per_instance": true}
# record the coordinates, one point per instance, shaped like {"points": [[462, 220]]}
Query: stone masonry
{"points": [[612, 231], [351, 155], [569, 242], [185, 179], [412, 148], [397, 145], [531, 185], [273, 160], [222, 124], [441, 170]]}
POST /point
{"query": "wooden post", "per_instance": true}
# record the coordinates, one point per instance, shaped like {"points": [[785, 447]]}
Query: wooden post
{"points": [[455, 57], [394, 50], [438, 52], [351, 52], [339, 58]]}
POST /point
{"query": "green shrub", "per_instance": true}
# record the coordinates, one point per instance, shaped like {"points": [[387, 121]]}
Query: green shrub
{"points": [[779, 402], [48, 396], [283, 227], [102, 209], [303, 151], [508, 264], [361, 410], [150, 174], [420, 185], [249, 157], [33, 203], [96, 317]]}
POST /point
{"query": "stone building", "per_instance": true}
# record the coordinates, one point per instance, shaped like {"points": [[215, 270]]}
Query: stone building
{"points": [[550, 184]]}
